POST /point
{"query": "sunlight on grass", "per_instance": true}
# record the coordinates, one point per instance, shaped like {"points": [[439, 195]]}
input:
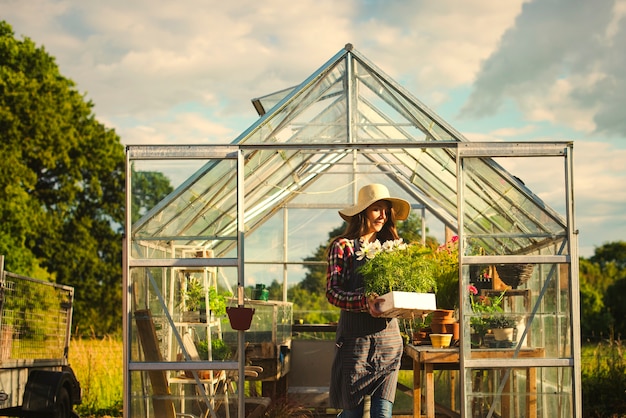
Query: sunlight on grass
{"points": [[98, 367]]}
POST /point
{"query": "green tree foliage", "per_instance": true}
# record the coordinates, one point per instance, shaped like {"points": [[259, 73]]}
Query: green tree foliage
{"points": [[595, 319], [62, 182], [315, 279], [602, 282], [611, 253], [62, 177], [411, 228], [149, 188], [616, 308]]}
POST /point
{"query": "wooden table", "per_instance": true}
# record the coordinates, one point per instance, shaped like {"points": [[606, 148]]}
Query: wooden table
{"points": [[431, 359]]}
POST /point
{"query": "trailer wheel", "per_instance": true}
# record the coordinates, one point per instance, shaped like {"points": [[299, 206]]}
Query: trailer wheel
{"points": [[63, 408]]}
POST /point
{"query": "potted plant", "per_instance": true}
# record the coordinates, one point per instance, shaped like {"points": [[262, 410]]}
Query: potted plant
{"points": [[217, 304], [483, 309], [193, 298], [502, 326], [445, 268], [396, 266], [401, 274]]}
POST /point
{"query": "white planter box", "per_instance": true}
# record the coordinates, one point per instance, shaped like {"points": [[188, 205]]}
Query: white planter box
{"points": [[407, 304]]}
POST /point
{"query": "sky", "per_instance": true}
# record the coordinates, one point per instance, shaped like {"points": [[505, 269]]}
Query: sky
{"points": [[163, 72]]}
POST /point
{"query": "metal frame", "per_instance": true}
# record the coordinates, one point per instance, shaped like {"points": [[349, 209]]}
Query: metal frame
{"points": [[462, 150]]}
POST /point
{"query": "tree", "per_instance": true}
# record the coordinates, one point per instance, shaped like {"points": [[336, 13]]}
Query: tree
{"points": [[149, 188], [62, 185], [612, 252], [602, 281], [62, 178], [614, 302]]}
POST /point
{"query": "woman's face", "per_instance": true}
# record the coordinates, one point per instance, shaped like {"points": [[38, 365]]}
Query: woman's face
{"points": [[376, 214]]}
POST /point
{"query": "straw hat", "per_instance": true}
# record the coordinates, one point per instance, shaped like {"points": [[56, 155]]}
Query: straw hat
{"points": [[373, 193]]}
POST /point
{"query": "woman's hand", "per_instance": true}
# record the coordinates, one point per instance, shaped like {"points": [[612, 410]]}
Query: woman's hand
{"points": [[373, 305]]}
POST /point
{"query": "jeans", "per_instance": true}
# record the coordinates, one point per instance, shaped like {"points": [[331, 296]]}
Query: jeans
{"points": [[379, 408]]}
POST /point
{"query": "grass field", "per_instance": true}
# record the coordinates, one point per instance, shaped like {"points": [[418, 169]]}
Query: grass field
{"points": [[98, 367]]}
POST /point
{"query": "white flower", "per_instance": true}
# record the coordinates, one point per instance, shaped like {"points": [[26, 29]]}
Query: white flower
{"points": [[400, 244], [394, 245], [389, 246], [368, 249]]}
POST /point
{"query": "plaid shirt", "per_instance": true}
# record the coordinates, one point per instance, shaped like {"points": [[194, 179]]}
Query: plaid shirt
{"points": [[341, 268]]}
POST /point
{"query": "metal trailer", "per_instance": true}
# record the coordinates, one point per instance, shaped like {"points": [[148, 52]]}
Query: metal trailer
{"points": [[35, 378]]}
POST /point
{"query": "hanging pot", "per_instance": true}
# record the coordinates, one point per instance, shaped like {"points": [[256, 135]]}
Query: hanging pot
{"points": [[514, 275], [240, 317]]}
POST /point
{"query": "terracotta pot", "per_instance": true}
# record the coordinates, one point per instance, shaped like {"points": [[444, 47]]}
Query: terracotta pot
{"points": [[443, 322], [443, 314], [449, 328], [240, 317], [419, 337]]}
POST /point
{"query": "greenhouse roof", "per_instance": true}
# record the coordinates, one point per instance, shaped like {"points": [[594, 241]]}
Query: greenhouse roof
{"points": [[349, 121]]}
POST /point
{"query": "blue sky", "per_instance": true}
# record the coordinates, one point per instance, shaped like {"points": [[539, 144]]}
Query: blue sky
{"points": [[162, 72]]}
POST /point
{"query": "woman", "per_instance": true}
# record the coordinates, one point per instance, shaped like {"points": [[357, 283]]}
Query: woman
{"points": [[369, 347]]}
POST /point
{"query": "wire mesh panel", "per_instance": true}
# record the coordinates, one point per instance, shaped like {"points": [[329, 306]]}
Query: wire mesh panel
{"points": [[35, 318]]}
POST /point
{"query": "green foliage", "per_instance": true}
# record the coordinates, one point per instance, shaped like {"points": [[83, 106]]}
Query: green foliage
{"points": [[315, 279], [596, 319], [194, 298], [217, 302], [148, 189], [602, 278], [193, 295], [604, 380], [312, 308], [446, 273], [219, 350], [62, 182], [411, 228], [501, 321], [404, 270], [615, 306], [610, 253]]}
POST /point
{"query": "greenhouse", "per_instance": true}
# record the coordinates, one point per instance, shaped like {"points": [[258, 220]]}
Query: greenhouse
{"points": [[254, 210]]}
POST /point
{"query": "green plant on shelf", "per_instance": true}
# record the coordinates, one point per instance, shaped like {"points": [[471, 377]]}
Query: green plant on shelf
{"points": [[193, 295], [483, 308], [501, 321], [217, 302]]}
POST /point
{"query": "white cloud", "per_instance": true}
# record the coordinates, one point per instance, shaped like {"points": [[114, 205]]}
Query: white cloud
{"points": [[562, 62], [184, 72]]}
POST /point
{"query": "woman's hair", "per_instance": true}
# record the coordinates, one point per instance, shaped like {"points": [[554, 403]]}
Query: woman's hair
{"points": [[359, 225]]}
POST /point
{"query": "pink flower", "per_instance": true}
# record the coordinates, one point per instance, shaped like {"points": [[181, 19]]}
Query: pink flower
{"points": [[472, 289]]}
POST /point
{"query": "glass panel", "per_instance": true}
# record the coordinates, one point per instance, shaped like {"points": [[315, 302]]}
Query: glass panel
{"points": [[520, 392], [316, 114], [399, 116], [538, 309], [501, 215], [200, 213], [266, 243]]}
